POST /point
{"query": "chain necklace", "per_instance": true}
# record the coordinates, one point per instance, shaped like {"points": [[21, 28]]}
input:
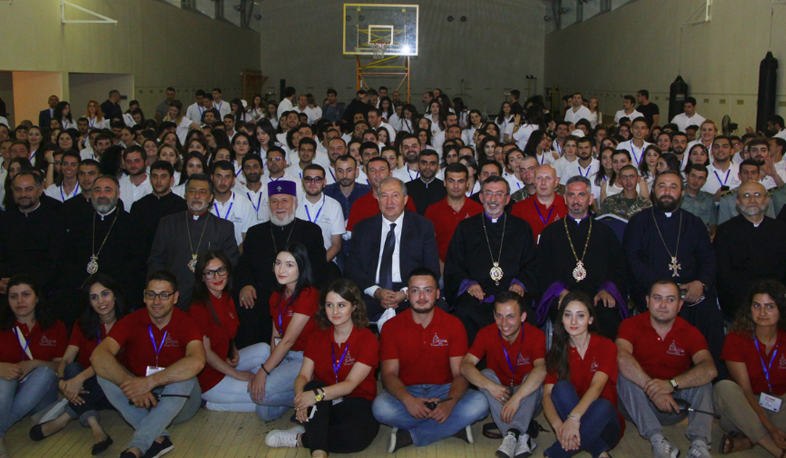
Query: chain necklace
{"points": [[674, 266], [92, 265], [579, 273], [275, 248], [496, 272], [194, 253]]}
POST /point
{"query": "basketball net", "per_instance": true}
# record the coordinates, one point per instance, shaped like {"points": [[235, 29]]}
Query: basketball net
{"points": [[379, 49]]}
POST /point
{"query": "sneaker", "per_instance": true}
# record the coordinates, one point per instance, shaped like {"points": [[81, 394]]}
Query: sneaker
{"points": [[399, 438], [466, 435], [284, 437], [525, 446], [508, 447], [159, 449], [662, 448], [699, 449]]}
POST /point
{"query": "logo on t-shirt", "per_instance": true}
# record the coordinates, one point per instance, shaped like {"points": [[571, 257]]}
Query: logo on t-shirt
{"points": [[437, 342], [593, 366], [675, 350], [349, 360], [782, 362], [522, 361], [170, 342], [47, 342]]}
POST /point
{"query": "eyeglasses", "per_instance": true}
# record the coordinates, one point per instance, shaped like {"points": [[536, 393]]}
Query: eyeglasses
{"points": [[314, 179], [755, 195], [498, 194], [275, 159], [164, 296], [209, 274]]}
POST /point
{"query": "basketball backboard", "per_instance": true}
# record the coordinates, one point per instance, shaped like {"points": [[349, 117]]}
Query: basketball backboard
{"points": [[367, 24]]}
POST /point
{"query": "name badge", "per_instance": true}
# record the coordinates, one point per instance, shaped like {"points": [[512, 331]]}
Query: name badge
{"points": [[154, 370], [770, 402], [340, 400], [538, 242], [276, 341]]}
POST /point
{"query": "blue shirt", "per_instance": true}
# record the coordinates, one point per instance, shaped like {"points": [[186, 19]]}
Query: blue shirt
{"points": [[334, 191]]}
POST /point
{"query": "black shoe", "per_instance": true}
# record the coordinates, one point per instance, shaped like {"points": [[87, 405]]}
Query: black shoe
{"points": [[159, 449], [127, 454], [399, 438], [37, 433], [102, 446]]}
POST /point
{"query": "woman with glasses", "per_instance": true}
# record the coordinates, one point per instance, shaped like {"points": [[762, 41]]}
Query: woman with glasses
{"points": [[224, 380]]}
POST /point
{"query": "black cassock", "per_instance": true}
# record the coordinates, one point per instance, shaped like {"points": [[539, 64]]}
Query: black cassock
{"points": [[148, 211], [255, 268], [604, 264]]}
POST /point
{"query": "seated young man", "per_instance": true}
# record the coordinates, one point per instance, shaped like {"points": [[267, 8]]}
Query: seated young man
{"points": [[425, 398], [515, 370], [164, 350]]}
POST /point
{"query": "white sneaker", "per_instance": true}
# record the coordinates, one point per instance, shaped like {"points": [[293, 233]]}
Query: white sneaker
{"points": [[525, 446], [699, 449], [284, 437], [663, 449], [508, 447]]}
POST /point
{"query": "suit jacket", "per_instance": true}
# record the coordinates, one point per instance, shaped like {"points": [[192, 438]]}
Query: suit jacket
{"points": [[418, 248], [43, 118]]}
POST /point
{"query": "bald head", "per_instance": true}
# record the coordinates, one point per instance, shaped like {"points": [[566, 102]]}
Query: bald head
{"points": [[752, 201], [751, 187], [545, 180]]}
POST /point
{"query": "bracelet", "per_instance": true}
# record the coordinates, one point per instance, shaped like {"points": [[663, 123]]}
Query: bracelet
{"points": [[574, 419], [263, 368]]}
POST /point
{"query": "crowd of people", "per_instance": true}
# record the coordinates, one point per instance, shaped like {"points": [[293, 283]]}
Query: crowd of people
{"points": [[526, 261]]}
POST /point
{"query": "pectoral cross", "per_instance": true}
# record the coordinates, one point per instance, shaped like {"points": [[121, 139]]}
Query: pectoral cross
{"points": [[674, 267]]}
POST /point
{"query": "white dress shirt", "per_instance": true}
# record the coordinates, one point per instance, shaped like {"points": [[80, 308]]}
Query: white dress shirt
{"points": [[717, 178], [636, 153], [130, 193], [396, 269], [683, 121], [239, 212]]}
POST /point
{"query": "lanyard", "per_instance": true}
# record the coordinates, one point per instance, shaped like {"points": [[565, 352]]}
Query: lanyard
{"points": [[633, 152], [259, 201], [548, 218], [92, 122], [542, 158], [330, 169], [588, 171], [559, 149], [228, 211], [27, 343], [32, 156], [152, 339], [201, 109], [76, 190], [280, 320], [763, 366], [218, 107], [100, 326], [507, 357], [308, 215], [723, 183], [336, 367], [410, 174]]}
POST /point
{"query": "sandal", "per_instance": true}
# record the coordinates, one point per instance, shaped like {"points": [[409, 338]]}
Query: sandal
{"points": [[735, 442]]}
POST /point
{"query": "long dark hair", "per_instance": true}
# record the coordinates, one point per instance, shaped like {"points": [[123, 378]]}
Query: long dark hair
{"points": [[305, 276], [613, 177], [201, 295], [90, 321], [743, 323], [192, 155], [266, 127], [557, 356], [602, 171], [42, 316], [58, 112], [239, 112], [350, 292]]}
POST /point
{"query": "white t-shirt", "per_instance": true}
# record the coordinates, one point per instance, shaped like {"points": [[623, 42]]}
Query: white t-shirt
{"points": [[571, 169], [223, 107], [326, 213], [130, 193], [521, 136], [717, 178], [284, 105], [468, 136], [513, 181], [575, 116], [633, 115], [636, 153], [312, 115], [194, 113], [405, 175], [239, 212], [57, 192], [560, 165], [94, 123], [683, 121], [395, 121], [182, 129]]}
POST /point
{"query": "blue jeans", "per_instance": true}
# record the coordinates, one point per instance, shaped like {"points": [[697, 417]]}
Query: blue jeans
{"points": [[390, 411], [95, 399], [151, 424], [280, 387], [231, 394], [600, 424], [29, 395]]}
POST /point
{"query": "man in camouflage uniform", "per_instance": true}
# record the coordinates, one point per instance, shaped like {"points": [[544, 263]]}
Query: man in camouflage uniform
{"points": [[698, 202], [749, 171], [628, 202], [526, 174]]}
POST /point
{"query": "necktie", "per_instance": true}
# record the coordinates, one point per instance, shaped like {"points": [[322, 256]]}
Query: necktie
{"points": [[386, 266]]}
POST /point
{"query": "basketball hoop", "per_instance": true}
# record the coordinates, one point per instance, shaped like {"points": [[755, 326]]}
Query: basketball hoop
{"points": [[379, 49]]}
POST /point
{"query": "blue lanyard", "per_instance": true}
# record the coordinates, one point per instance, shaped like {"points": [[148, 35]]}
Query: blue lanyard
{"points": [[308, 215], [723, 183], [228, 211], [633, 152], [588, 171], [100, 326], [763, 366], [152, 339], [201, 110], [336, 367], [545, 221], [330, 169], [280, 320], [63, 197], [507, 357], [27, 343], [559, 149], [410, 174], [542, 158], [259, 201]]}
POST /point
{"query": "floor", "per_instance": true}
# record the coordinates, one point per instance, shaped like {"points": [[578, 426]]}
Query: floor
{"points": [[219, 434]]}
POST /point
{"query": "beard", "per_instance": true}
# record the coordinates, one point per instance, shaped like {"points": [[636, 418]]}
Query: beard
{"points": [[282, 222], [198, 207], [253, 177], [345, 182], [667, 204], [752, 209], [104, 205]]}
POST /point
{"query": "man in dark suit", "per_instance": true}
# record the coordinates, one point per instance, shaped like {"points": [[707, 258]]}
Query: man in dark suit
{"points": [[46, 115], [381, 270]]}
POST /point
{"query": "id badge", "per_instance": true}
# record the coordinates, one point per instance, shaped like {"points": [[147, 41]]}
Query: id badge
{"points": [[277, 340], [153, 370], [338, 401], [770, 402]]}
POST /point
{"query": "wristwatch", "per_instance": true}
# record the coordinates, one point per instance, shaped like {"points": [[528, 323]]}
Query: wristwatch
{"points": [[318, 396], [674, 384]]}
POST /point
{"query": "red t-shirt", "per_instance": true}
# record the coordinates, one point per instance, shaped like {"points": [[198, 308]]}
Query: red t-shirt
{"points": [[742, 349], [132, 333], [43, 345], [601, 355], [662, 358], [307, 303], [446, 219], [368, 206], [528, 210], [361, 347], [423, 353], [85, 345], [529, 346], [219, 335]]}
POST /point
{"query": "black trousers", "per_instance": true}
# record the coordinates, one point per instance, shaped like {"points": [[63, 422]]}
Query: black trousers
{"points": [[94, 397], [347, 427], [256, 324], [474, 315], [708, 319], [607, 319]]}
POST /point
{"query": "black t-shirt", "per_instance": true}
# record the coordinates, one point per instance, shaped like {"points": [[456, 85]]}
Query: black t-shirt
{"points": [[649, 110]]}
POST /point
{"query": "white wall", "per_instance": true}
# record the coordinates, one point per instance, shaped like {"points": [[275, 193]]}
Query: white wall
{"points": [[637, 46]]}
